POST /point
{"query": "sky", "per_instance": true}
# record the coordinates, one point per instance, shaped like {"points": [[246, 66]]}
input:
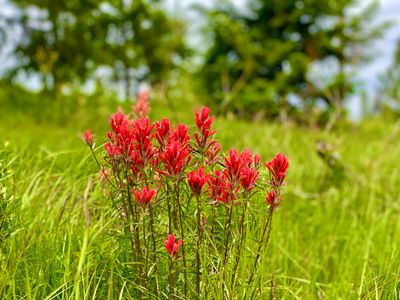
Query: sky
{"points": [[368, 74]]}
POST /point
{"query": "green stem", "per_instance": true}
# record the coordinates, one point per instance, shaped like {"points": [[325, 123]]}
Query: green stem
{"points": [[242, 235], [182, 235], [153, 240], [198, 275], [146, 254], [267, 229], [227, 226]]}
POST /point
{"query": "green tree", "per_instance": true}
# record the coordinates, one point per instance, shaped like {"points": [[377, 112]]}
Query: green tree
{"points": [[66, 41], [389, 92], [257, 59]]}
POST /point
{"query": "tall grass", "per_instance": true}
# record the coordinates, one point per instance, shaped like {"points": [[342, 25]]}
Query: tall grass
{"points": [[330, 239]]}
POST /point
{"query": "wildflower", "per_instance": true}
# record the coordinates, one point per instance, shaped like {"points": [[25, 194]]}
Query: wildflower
{"points": [[203, 125], [248, 178], [141, 108], [89, 138], [162, 132], [171, 246], [219, 189], [142, 135], [118, 121], [270, 198], [233, 165], [180, 134], [278, 167], [143, 198], [212, 152], [196, 180], [175, 158], [256, 161], [273, 199]]}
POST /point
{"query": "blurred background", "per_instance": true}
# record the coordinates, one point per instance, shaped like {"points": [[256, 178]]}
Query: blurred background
{"points": [[309, 62]]}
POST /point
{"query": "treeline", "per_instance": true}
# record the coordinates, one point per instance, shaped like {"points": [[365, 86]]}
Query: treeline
{"points": [[262, 58]]}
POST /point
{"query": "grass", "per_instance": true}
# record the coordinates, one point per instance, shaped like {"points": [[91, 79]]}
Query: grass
{"points": [[332, 238]]}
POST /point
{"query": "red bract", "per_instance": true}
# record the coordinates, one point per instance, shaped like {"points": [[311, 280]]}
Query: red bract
{"points": [[171, 246], [142, 135], [175, 158], [121, 140], [203, 125], [143, 198], [273, 198], [278, 167], [180, 134], [88, 138], [256, 161], [232, 167], [196, 180], [248, 178], [211, 154], [220, 191], [162, 132], [141, 108], [118, 122]]}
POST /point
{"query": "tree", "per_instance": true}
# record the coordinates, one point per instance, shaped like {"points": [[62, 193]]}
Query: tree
{"points": [[66, 41], [258, 59], [389, 91]]}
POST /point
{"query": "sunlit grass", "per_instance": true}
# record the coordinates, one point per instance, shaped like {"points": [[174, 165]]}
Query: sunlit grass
{"points": [[330, 240]]}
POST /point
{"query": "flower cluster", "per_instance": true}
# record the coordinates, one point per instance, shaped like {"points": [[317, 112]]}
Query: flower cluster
{"points": [[278, 168], [154, 170]]}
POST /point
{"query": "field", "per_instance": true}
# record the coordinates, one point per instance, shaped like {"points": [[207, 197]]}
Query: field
{"points": [[336, 234]]}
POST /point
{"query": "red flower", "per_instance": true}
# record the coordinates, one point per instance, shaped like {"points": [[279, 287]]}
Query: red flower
{"points": [[273, 199], [278, 167], [233, 166], [89, 138], [203, 125], [141, 108], [211, 154], [270, 198], [163, 129], [142, 135], [196, 180], [171, 246], [180, 134], [143, 198], [219, 189], [175, 158], [248, 178]]}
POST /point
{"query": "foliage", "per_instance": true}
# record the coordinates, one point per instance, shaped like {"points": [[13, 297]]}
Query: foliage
{"points": [[8, 204], [389, 92], [261, 57], [328, 241], [66, 42]]}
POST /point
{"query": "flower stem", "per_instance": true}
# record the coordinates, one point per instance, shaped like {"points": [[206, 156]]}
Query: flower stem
{"points": [[153, 240], [198, 274], [267, 229], [182, 235], [227, 231], [241, 236]]}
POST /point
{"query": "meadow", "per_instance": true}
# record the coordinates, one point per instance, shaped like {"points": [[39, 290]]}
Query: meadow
{"points": [[335, 235]]}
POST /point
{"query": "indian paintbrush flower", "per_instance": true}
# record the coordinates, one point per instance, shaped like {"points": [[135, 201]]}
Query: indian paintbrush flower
{"points": [[172, 247], [196, 180], [143, 197], [278, 167], [89, 138]]}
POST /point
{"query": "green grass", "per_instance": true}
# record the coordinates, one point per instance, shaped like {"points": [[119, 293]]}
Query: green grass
{"points": [[331, 239]]}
